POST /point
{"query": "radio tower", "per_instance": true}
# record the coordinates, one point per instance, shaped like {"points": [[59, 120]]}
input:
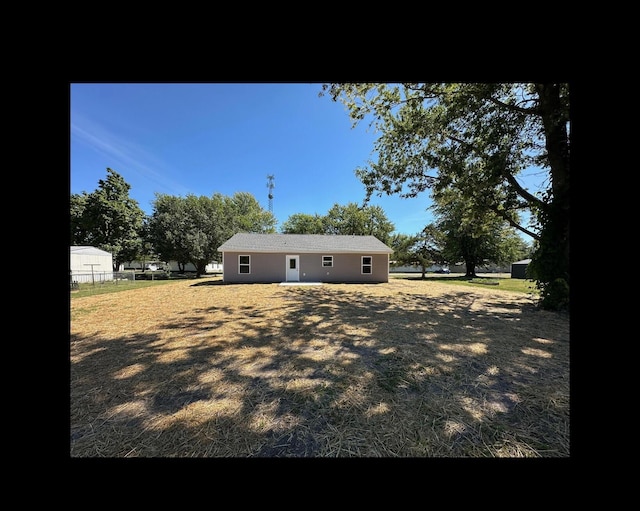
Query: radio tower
{"points": [[270, 186]]}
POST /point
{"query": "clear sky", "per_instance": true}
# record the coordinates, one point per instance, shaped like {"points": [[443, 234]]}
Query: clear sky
{"points": [[203, 138]]}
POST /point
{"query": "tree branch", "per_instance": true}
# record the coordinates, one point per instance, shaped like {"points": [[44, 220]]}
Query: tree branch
{"points": [[501, 213], [530, 198]]}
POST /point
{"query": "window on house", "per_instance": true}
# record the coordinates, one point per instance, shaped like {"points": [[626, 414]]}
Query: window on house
{"points": [[367, 264], [244, 264], [327, 261]]}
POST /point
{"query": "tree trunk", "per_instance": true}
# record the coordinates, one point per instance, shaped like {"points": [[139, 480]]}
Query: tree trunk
{"points": [[201, 268], [471, 269], [551, 261]]}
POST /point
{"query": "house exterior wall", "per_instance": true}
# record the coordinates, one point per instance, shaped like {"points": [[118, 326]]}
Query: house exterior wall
{"points": [[271, 267]]}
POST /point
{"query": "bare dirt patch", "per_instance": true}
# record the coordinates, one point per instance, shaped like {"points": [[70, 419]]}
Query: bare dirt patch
{"points": [[403, 369]]}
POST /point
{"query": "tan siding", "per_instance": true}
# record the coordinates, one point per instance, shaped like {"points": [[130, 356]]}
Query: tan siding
{"points": [[271, 267]]}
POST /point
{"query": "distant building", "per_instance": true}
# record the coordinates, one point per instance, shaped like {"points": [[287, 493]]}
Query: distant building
{"points": [[519, 269], [171, 266], [90, 264]]}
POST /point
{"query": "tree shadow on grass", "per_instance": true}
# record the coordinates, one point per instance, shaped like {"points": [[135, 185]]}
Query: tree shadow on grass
{"points": [[208, 283], [328, 372]]}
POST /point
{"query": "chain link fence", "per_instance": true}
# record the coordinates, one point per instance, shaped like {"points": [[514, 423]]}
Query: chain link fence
{"points": [[99, 278]]}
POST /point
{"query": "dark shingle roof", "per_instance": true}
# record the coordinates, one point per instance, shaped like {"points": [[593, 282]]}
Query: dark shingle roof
{"points": [[294, 243]]}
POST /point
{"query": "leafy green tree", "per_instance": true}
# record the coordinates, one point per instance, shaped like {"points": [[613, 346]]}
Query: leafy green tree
{"points": [[77, 222], [359, 220], [204, 232], [401, 244], [477, 137], [167, 229], [303, 223], [472, 235], [350, 218], [143, 249], [426, 248], [190, 229], [107, 218], [243, 213]]}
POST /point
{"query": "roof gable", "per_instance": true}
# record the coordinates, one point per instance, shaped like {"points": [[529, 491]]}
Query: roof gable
{"points": [[88, 250], [304, 243]]}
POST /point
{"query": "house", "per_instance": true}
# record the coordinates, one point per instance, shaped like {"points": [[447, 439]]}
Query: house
{"points": [[90, 264], [304, 258], [519, 269]]}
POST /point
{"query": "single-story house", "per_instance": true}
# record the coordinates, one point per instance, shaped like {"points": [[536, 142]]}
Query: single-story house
{"points": [[519, 269], [90, 264], [304, 258]]}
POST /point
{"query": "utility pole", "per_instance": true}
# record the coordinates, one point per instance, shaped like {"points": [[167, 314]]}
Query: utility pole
{"points": [[270, 186]]}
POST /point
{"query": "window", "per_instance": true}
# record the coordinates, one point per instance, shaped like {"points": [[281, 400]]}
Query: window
{"points": [[367, 264], [244, 264], [327, 261]]}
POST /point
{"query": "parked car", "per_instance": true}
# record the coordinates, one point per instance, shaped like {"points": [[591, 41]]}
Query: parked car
{"points": [[443, 270]]}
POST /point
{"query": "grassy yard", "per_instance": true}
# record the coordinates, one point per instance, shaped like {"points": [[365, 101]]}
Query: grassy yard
{"points": [[411, 368], [504, 281]]}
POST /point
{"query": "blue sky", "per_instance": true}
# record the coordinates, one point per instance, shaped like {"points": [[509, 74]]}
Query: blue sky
{"points": [[203, 138]]}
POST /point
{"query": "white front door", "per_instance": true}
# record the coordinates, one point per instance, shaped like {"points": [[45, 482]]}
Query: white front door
{"points": [[293, 268]]}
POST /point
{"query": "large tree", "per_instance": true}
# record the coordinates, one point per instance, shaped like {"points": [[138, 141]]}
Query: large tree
{"points": [[168, 228], [243, 213], [473, 235], [108, 218], [478, 137], [303, 223], [351, 218], [422, 249], [191, 228]]}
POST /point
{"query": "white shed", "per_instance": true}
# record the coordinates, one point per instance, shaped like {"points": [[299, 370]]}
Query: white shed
{"points": [[90, 264]]}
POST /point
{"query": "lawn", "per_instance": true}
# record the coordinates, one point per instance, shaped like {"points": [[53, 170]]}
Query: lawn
{"points": [[410, 368]]}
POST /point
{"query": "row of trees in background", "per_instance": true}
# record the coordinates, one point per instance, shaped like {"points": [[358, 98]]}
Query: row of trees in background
{"points": [[189, 229], [455, 237], [449, 241], [348, 219], [183, 229]]}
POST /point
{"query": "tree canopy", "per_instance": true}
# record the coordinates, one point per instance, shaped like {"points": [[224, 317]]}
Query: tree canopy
{"points": [[422, 249], [473, 235], [303, 223], [350, 218], [108, 219], [477, 138], [190, 229]]}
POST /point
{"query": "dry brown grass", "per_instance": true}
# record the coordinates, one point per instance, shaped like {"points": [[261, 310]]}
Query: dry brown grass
{"points": [[404, 369]]}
